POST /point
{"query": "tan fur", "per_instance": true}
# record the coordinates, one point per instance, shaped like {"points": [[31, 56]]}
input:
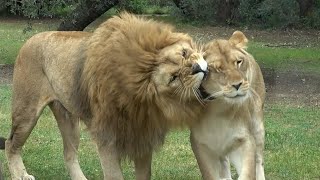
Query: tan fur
{"points": [[130, 81], [233, 125]]}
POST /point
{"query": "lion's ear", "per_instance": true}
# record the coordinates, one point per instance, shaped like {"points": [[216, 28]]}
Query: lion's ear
{"points": [[239, 40]]}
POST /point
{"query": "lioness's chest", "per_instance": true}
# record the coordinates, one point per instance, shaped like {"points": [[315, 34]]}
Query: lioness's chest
{"points": [[219, 132]]}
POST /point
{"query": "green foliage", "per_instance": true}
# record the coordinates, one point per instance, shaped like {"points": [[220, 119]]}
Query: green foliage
{"points": [[262, 13], [199, 10], [313, 18], [134, 6], [45, 8], [278, 13], [145, 6]]}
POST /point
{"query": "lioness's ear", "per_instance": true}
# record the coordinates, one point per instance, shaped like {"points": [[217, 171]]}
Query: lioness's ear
{"points": [[239, 40]]}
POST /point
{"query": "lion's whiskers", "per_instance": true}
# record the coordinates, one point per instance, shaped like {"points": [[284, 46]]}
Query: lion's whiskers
{"points": [[178, 90], [196, 93], [183, 94]]}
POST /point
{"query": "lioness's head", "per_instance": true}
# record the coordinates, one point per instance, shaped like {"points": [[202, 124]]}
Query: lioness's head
{"points": [[230, 69]]}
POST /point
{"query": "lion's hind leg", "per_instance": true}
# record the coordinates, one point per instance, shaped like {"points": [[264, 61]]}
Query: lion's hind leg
{"points": [[70, 131], [26, 110]]}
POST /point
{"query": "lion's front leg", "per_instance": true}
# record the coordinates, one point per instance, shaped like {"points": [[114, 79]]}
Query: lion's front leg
{"points": [[143, 167], [110, 160]]}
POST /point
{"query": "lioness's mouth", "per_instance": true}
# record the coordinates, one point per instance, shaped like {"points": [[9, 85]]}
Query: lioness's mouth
{"points": [[204, 94], [236, 96]]}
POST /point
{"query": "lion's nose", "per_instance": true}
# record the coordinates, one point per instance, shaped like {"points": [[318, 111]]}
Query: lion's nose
{"points": [[237, 86], [196, 68]]}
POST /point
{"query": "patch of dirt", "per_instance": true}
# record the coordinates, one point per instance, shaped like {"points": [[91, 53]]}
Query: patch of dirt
{"points": [[6, 72], [293, 87], [291, 38]]}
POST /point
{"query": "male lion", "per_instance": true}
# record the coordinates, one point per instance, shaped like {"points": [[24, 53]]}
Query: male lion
{"points": [[233, 124], [129, 81]]}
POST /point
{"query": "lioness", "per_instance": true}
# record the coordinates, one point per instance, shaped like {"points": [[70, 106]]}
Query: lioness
{"points": [[129, 81], [233, 125]]}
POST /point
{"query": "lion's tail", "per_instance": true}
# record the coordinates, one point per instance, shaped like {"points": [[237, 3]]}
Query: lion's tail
{"points": [[2, 142]]}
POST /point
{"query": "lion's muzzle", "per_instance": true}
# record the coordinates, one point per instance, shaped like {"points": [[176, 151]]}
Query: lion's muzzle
{"points": [[200, 66]]}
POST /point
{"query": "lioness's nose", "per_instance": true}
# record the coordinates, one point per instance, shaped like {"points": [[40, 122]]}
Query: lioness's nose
{"points": [[237, 86]]}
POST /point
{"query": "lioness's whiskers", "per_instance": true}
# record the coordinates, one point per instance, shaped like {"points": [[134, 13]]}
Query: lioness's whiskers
{"points": [[216, 94], [257, 83], [256, 99]]}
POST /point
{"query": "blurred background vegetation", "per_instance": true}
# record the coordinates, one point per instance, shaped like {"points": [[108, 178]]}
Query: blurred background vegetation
{"points": [[249, 13]]}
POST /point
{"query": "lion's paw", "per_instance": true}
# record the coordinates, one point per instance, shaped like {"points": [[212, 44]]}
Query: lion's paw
{"points": [[27, 177]]}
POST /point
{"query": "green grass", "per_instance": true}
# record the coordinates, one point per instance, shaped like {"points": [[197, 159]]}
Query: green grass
{"points": [[14, 33], [292, 147], [306, 59]]}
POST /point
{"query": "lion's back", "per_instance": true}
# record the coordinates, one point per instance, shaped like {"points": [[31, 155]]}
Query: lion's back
{"points": [[48, 61]]}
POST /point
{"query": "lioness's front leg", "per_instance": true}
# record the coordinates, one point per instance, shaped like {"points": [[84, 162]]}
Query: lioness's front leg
{"points": [[259, 136], [244, 160], [110, 161], [208, 163], [143, 167], [225, 172]]}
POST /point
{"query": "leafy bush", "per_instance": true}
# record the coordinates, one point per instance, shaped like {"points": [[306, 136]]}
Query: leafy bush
{"points": [[134, 6], [313, 18], [263, 13], [45, 8], [279, 13]]}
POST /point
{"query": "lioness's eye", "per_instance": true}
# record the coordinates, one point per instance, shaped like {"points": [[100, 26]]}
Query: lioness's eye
{"points": [[238, 63]]}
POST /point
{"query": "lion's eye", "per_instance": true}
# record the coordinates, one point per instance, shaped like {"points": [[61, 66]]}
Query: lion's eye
{"points": [[172, 78], [184, 53]]}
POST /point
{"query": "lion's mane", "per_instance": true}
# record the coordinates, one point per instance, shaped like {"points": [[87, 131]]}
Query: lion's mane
{"points": [[115, 86]]}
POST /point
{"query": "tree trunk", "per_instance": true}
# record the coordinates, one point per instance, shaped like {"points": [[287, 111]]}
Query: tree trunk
{"points": [[226, 10], [305, 7], [183, 6], [86, 13]]}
